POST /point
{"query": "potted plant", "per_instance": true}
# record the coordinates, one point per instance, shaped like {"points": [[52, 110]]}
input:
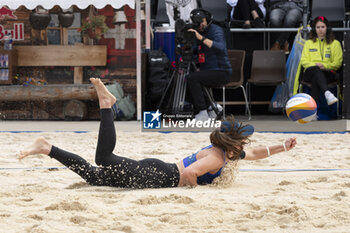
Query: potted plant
{"points": [[94, 26]]}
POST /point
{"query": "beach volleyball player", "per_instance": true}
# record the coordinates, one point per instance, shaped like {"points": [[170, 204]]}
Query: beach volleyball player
{"points": [[227, 143]]}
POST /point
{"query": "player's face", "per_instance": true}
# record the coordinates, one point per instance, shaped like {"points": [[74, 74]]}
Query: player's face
{"points": [[203, 24], [321, 29]]}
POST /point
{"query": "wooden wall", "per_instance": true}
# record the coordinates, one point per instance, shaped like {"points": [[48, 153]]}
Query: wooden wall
{"points": [[121, 65]]}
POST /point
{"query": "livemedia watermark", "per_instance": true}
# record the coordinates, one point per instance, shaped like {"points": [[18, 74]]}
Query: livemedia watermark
{"points": [[155, 121]]}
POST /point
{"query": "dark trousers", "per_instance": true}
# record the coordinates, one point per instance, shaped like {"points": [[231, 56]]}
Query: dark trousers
{"points": [[205, 78], [319, 80], [285, 15], [115, 170], [243, 10]]}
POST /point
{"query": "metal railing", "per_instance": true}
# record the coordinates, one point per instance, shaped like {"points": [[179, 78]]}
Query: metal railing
{"points": [[269, 30]]}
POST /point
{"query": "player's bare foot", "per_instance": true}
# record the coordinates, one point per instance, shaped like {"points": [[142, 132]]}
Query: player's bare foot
{"points": [[40, 146], [105, 98]]}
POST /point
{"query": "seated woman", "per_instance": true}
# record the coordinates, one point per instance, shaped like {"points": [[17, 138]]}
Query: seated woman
{"points": [[322, 56], [227, 143], [284, 14], [252, 12]]}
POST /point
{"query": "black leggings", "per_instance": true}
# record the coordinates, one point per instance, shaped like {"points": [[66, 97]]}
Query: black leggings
{"points": [[244, 8], [115, 170], [319, 79], [205, 78]]}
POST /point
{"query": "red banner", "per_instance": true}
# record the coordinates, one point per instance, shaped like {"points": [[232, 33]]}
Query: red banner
{"points": [[17, 32]]}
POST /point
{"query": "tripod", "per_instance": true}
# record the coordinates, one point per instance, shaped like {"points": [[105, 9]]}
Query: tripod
{"points": [[184, 49], [178, 82], [178, 93]]}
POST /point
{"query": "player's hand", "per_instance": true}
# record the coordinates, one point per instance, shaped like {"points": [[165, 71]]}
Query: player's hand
{"points": [[198, 36], [290, 143]]}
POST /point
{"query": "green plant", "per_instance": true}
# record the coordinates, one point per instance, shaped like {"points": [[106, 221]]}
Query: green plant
{"points": [[94, 26]]}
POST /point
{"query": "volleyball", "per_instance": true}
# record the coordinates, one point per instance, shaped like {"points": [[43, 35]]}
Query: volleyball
{"points": [[301, 108]]}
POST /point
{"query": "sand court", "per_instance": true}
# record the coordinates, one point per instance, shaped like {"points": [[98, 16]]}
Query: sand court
{"points": [[35, 199]]}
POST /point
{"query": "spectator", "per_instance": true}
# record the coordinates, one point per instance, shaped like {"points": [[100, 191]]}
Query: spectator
{"points": [[179, 11], [215, 67], [284, 14], [322, 56], [250, 11]]}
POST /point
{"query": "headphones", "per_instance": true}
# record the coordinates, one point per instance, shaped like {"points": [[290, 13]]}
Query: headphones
{"points": [[198, 14]]}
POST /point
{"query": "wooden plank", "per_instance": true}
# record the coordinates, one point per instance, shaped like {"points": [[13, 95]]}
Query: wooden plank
{"points": [[62, 55], [48, 92], [78, 75], [260, 102], [232, 102], [64, 36], [243, 103]]}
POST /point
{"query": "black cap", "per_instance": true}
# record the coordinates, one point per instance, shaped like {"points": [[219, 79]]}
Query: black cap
{"points": [[198, 14]]}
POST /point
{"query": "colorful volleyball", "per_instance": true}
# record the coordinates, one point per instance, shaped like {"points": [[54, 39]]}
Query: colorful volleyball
{"points": [[301, 108]]}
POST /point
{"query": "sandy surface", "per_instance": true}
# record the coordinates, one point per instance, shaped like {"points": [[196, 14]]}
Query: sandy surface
{"points": [[44, 200]]}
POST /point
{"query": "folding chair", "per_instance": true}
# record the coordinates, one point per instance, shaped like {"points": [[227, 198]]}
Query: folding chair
{"points": [[268, 69], [335, 84], [333, 10], [218, 8], [237, 58]]}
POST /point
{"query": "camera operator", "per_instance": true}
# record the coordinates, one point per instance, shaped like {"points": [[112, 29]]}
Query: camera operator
{"points": [[214, 65]]}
